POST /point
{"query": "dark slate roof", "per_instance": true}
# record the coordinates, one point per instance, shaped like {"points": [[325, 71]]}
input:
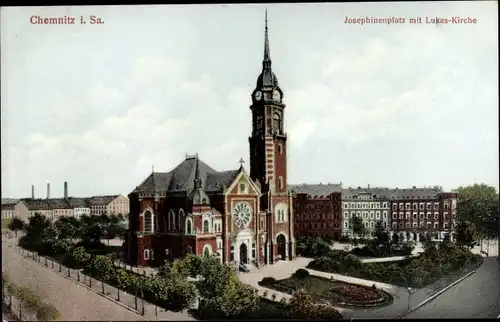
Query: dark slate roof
{"points": [[8, 206], [181, 178], [416, 193], [36, 204], [58, 203], [78, 202], [375, 192], [101, 200], [9, 201], [316, 190]]}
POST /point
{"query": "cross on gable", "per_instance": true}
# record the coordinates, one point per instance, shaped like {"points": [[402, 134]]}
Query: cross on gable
{"points": [[241, 161]]}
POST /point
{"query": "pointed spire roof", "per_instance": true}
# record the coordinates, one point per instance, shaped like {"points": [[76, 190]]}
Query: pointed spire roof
{"points": [[266, 63], [198, 196], [267, 78]]}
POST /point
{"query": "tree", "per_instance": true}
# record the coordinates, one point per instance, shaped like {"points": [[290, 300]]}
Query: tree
{"points": [[102, 267], [466, 234], [16, 225], [381, 234], [357, 226], [214, 276], [235, 299], [478, 204], [66, 228], [81, 256], [37, 228]]}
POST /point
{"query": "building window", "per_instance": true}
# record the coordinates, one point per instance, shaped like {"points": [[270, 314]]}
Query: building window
{"points": [[242, 187], [429, 225], [280, 149], [421, 206], [414, 216], [401, 225], [148, 221], [231, 254], [414, 225], [219, 244], [189, 226], [206, 226], [436, 225], [346, 224], [408, 206], [408, 225], [371, 224], [280, 182], [146, 254], [415, 206], [253, 251], [377, 214], [446, 205], [445, 225], [394, 225], [189, 250], [436, 215]]}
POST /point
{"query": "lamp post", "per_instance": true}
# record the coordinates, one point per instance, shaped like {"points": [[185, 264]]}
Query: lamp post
{"points": [[409, 298]]}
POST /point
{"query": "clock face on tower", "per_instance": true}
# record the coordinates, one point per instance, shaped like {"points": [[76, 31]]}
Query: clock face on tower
{"points": [[242, 214], [258, 95], [276, 96]]}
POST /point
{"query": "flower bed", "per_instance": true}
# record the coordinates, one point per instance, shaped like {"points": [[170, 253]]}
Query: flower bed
{"points": [[321, 289]]}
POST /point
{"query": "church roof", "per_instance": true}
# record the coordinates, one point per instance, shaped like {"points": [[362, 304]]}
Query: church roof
{"points": [[182, 178]]}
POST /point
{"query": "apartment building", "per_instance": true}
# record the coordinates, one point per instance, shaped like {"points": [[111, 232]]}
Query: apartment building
{"points": [[369, 204], [14, 208], [110, 205], [80, 206], [317, 209], [418, 212], [40, 206]]}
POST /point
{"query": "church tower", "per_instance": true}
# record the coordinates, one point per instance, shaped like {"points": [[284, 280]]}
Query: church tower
{"points": [[268, 139]]}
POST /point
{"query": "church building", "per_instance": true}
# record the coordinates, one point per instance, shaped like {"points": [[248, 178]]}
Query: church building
{"points": [[243, 218]]}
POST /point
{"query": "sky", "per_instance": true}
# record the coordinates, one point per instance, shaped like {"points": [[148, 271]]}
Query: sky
{"points": [[390, 105]]}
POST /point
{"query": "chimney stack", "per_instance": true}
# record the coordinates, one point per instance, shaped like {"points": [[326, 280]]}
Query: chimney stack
{"points": [[48, 190], [368, 186], [65, 190], [32, 191]]}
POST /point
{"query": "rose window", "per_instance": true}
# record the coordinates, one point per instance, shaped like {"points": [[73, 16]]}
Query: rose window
{"points": [[242, 214]]}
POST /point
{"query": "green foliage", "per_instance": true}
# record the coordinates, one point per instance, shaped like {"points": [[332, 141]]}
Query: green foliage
{"points": [[15, 225], [214, 277], [465, 234], [433, 264], [312, 246], [478, 204], [101, 267], [80, 255], [381, 234], [191, 265], [267, 281], [67, 227], [301, 273], [357, 226], [31, 301], [236, 298]]}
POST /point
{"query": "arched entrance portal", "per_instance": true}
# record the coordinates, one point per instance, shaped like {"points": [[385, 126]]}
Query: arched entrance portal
{"points": [[243, 253], [281, 241]]}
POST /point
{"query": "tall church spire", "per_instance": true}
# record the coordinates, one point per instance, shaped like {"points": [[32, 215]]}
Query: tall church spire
{"points": [[266, 63]]}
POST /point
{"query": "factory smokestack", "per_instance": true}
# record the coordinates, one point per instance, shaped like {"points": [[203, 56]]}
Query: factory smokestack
{"points": [[32, 191], [48, 190], [65, 190]]}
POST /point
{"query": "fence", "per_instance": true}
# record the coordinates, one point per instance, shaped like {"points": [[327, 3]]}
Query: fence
{"points": [[15, 309], [132, 301]]}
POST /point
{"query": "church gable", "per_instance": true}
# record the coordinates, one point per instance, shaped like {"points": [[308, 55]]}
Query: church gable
{"points": [[243, 185]]}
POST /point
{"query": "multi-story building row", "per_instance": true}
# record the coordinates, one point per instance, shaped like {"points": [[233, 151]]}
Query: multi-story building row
{"points": [[327, 210], [55, 208]]}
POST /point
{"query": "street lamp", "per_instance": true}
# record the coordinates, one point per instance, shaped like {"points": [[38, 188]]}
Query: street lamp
{"points": [[409, 297]]}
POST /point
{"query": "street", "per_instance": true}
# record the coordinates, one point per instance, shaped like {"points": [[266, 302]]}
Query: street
{"points": [[73, 301], [475, 297]]}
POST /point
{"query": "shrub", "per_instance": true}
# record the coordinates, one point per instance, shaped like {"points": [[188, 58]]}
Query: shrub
{"points": [[301, 273], [268, 281]]}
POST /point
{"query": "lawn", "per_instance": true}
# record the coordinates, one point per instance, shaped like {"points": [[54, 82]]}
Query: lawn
{"points": [[267, 309], [322, 289], [319, 288]]}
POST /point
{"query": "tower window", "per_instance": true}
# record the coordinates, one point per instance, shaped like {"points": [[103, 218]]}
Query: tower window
{"points": [[280, 149], [277, 123], [280, 182]]}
